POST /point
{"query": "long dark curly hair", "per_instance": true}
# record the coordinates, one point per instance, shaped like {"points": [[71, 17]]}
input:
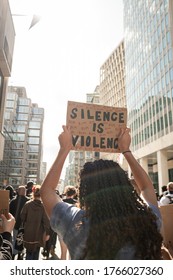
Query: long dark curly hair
{"points": [[117, 214]]}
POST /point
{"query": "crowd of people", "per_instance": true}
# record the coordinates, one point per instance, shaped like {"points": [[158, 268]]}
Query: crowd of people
{"points": [[26, 212], [108, 216]]}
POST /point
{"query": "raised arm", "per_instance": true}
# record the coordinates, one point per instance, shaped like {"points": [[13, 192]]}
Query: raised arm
{"points": [[49, 185], [142, 179]]}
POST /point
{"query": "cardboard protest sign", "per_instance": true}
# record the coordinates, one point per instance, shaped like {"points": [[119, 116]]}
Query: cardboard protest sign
{"points": [[167, 219], [4, 204], [95, 127]]}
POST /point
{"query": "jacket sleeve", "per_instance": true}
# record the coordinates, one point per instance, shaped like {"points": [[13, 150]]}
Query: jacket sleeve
{"points": [[23, 214], [46, 223], [6, 248]]}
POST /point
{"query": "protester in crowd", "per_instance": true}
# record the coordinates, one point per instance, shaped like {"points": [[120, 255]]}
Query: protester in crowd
{"points": [[50, 245], [70, 194], [167, 197], [36, 225], [29, 187], [113, 222], [164, 190], [12, 192], [16, 206], [6, 247], [53, 256]]}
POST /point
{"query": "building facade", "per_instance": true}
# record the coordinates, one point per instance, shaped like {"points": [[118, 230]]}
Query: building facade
{"points": [[23, 125], [7, 38], [112, 79], [112, 88], [148, 41]]}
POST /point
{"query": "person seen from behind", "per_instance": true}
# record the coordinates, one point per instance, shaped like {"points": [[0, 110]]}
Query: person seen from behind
{"points": [[29, 187], [12, 192], [167, 197], [113, 221], [15, 207], [36, 225], [70, 194]]}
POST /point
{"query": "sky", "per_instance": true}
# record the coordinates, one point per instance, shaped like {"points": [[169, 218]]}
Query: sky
{"points": [[59, 58]]}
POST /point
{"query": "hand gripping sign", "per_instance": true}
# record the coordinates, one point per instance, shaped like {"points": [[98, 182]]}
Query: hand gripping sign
{"points": [[95, 127]]}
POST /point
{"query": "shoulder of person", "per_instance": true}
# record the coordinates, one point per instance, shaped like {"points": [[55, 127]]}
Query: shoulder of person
{"points": [[164, 200]]}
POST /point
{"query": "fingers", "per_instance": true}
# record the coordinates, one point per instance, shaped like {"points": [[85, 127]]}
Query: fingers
{"points": [[65, 138], [9, 217], [66, 128], [128, 129], [123, 130], [3, 217], [120, 132]]}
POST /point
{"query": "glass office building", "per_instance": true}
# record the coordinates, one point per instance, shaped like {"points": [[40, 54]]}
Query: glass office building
{"points": [[7, 38], [148, 27], [23, 126]]}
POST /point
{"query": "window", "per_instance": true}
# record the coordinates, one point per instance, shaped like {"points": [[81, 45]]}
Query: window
{"points": [[37, 111], [23, 109], [166, 120], [16, 162], [170, 55], [34, 132], [19, 137], [10, 104], [7, 115], [161, 122], [171, 74], [33, 149], [167, 78], [166, 19], [22, 117], [170, 117], [158, 125], [24, 101], [16, 171], [34, 124], [33, 140], [11, 96], [20, 128], [168, 37], [33, 156]]}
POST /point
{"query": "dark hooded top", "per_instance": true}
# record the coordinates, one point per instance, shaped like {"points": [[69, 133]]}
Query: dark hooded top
{"points": [[36, 224]]}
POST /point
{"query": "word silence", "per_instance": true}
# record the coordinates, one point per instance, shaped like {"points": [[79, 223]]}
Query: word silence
{"points": [[95, 127]]}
